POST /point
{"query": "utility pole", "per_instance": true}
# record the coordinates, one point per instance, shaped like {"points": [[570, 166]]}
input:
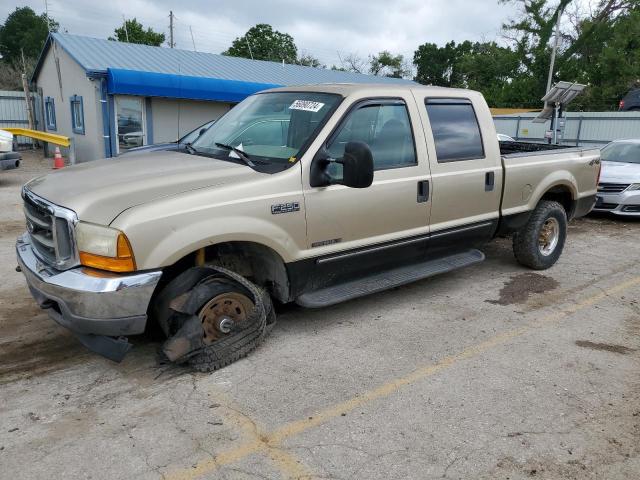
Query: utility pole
{"points": [[124, 24], [556, 42], [249, 47], [192, 40], [46, 10], [171, 42]]}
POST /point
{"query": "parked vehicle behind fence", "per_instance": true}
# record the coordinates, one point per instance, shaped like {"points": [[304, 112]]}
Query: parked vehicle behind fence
{"points": [[314, 195], [619, 186], [631, 101]]}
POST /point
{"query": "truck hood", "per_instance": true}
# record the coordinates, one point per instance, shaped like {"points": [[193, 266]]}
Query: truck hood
{"points": [[99, 191], [620, 172]]}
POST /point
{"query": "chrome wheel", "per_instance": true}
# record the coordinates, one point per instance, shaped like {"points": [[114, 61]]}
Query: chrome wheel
{"points": [[549, 236], [220, 314]]}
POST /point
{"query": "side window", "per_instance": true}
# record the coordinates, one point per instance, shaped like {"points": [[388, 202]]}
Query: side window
{"points": [[385, 127], [77, 114], [455, 129], [50, 113]]}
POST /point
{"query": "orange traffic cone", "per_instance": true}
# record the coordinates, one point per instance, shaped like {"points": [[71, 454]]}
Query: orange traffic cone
{"points": [[58, 161]]}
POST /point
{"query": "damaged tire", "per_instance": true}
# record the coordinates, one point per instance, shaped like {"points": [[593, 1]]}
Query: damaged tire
{"points": [[212, 317]]}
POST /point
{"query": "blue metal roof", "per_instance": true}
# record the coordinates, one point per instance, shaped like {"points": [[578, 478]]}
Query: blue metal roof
{"points": [[96, 56]]}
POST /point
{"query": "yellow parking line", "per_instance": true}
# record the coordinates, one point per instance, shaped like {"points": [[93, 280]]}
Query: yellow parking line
{"points": [[276, 437], [287, 464]]}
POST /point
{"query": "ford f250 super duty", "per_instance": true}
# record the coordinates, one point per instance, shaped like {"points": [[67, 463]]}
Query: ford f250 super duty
{"points": [[314, 195]]}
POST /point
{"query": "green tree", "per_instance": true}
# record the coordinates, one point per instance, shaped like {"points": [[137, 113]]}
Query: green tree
{"points": [[601, 51], [440, 66], [262, 42], [385, 64], [132, 31], [607, 59], [24, 30]]}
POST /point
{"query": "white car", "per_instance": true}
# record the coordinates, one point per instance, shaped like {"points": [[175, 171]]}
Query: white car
{"points": [[619, 184], [505, 138], [8, 158]]}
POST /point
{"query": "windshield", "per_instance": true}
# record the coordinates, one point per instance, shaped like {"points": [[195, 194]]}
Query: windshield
{"points": [[621, 152], [194, 134], [268, 127]]}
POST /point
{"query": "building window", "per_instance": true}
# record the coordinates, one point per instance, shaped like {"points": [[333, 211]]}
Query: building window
{"points": [[50, 113], [130, 116], [77, 114], [455, 128]]}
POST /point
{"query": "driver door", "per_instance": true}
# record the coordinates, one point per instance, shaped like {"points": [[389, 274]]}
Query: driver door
{"points": [[355, 231]]}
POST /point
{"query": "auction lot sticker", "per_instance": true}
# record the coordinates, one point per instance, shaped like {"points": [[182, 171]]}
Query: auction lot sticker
{"points": [[306, 105]]}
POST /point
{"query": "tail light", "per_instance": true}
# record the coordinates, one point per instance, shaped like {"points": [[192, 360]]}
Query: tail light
{"points": [[599, 170]]}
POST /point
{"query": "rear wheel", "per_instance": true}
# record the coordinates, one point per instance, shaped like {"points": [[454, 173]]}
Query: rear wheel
{"points": [[539, 243]]}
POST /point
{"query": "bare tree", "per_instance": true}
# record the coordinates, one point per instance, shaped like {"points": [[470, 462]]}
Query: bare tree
{"points": [[352, 62]]}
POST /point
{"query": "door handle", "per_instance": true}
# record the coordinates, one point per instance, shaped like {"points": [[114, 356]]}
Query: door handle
{"points": [[489, 181], [423, 191]]}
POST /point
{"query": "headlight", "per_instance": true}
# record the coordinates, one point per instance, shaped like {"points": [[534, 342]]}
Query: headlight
{"points": [[634, 186], [104, 248]]}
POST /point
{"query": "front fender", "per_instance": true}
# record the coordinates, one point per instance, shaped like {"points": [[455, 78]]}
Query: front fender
{"points": [[180, 242]]}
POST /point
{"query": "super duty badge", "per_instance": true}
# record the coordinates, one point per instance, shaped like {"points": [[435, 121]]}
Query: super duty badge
{"points": [[285, 208]]}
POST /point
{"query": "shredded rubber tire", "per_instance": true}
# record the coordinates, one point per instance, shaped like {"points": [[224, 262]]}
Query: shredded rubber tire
{"points": [[525, 240], [199, 285]]}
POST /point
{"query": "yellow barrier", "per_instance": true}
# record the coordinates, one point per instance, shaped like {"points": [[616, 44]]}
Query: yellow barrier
{"points": [[38, 135], [510, 111]]}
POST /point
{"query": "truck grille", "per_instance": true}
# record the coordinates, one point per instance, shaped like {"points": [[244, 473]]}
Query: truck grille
{"points": [[612, 187], [51, 229]]}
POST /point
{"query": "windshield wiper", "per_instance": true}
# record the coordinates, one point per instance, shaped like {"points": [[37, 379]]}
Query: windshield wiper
{"points": [[239, 152], [190, 148]]}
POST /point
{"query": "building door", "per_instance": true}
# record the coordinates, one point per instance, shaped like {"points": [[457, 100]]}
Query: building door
{"points": [[130, 122]]}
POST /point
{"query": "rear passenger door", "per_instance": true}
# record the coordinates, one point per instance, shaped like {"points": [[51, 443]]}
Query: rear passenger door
{"points": [[466, 174]]}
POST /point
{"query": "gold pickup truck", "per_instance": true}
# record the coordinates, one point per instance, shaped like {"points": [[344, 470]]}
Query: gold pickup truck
{"points": [[314, 195]]}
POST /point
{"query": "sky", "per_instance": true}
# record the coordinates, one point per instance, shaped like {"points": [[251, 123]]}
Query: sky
{"points": [[326, 29]]}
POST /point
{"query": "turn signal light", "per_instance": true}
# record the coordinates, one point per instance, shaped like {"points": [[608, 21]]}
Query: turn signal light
{"points": [[122, 262]]}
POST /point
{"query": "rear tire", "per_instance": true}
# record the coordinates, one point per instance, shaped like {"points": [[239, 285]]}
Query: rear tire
{"points": [[539, 244]]}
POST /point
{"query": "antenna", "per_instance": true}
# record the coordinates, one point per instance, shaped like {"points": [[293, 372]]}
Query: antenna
{"points": [[171, 42]]}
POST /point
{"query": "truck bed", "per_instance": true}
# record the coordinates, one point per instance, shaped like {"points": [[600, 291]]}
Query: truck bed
{"points": [[531, 168], [507, 148]]}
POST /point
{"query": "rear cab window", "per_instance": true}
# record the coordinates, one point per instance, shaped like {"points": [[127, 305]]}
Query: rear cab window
{"points": [[455, 128]]}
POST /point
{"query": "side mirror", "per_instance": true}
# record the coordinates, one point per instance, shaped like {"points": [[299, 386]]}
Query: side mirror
{"points": [[357, 167]]}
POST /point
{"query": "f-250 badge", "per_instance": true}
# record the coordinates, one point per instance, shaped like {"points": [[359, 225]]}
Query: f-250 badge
{"points": [[285, 208]]}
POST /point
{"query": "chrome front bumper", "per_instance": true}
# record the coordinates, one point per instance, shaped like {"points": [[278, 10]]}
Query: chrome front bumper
{"points": [[623, 203], [89, 302]]}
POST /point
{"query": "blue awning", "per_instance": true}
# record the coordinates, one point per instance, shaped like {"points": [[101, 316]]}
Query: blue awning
{"points": [[152, 84]]}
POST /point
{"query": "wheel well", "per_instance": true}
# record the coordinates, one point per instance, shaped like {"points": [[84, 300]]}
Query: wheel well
{"points": [[563, 196], [258, 263]]}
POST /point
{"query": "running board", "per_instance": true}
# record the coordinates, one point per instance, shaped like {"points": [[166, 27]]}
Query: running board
{"points": [[388, 279]]}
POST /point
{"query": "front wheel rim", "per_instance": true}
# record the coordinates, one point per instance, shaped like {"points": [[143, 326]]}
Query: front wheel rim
{"points": [[549, 236], [227, 309]]}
